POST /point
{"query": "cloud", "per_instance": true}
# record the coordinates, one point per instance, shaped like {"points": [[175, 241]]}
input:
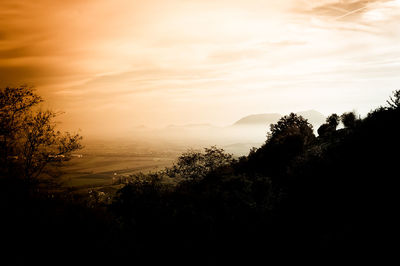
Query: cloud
{"points": [[149, 61], [340, 9]]}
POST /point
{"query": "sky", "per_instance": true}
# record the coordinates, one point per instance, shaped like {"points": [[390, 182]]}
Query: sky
{"points": [[113, 65]]}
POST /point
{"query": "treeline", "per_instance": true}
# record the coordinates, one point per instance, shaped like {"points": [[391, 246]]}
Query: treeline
{"points": [[299, 197]]}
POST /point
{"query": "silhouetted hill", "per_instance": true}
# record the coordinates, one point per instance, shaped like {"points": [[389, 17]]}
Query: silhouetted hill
{"points": [[302, 197]]}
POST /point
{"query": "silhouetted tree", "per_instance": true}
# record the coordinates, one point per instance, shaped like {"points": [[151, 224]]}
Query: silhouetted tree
{"points": [[394, 101], [330, 126], [348, 119], [29, 140], [333, 120], [290, 136], [195, 165], [291, 127], [336, 196], [324, 129]]}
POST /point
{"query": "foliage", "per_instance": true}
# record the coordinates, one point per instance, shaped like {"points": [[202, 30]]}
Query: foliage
{"points": [[348, 119], [291, 127], [290, 195], [333, 120], [330, 126], [195, 165], [324, 130], [46, 227], [289, 137], [297, 196], [394, 101], [29, 139]]}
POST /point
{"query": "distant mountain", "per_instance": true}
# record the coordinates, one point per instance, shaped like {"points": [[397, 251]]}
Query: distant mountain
{"points": [[191, 126], [258, 119], [314, 117]]}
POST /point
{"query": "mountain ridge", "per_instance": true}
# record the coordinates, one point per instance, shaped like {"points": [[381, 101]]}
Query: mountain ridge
{"points": [[313, 116]]}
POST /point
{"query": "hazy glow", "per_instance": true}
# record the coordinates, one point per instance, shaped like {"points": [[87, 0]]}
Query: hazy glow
{"points": [[114, 65]]}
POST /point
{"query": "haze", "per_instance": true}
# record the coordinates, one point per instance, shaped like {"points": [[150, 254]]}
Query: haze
{"points": [[114, 66]]}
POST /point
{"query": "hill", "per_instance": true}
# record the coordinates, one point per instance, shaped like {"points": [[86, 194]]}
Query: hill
{"points": [[314, 117], [258, 119]]}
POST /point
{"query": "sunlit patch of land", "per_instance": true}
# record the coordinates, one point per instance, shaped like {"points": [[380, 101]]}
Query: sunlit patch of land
{"points": [[105, 163]]}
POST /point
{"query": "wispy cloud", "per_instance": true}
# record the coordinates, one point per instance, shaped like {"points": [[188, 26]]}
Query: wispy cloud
{"points": [[154, 62]]}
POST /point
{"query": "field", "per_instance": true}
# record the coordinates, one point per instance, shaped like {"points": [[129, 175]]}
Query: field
{"points": [[102, 170], [103, 164]]}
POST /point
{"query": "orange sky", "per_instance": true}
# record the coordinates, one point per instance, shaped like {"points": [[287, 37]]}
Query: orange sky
{"points": [[122, 63]]}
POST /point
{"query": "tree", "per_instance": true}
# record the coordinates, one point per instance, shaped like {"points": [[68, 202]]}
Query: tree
{"points": [[324, 130], [394, 101], [348, 119], [195, 165], [333, 120], [29, 141], [288, 138], [291, 127], [330, 126]]}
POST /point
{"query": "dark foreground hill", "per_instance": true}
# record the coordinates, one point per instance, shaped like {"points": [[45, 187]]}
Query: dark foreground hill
{"points": [[299, 198]]}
